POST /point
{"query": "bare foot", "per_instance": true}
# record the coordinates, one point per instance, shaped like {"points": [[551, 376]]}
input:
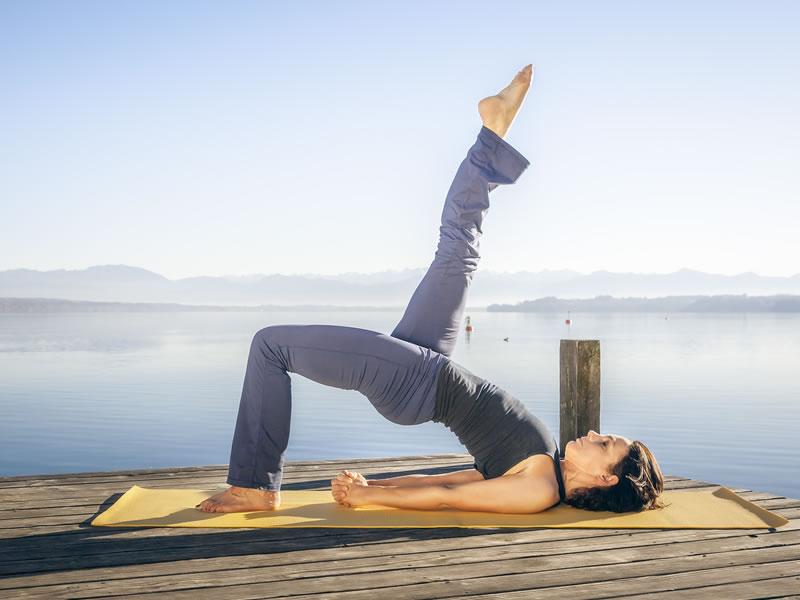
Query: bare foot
{"points": [[239, 499], [498, 111]]}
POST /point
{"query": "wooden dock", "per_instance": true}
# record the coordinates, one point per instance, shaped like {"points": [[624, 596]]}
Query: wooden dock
{"points": [[49, 550]]}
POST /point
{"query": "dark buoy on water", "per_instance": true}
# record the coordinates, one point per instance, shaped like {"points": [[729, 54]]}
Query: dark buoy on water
{"points": [[469, 326]]}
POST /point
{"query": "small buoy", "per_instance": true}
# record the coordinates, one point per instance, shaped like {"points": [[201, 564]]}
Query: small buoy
{"points": [[469, 327], [568, 321], [505, 339]]}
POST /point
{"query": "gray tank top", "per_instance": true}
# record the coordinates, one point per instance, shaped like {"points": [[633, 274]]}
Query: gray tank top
{"points": [[496, 428]]}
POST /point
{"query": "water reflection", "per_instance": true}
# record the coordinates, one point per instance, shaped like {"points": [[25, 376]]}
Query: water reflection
{"points": [[714, 396]]}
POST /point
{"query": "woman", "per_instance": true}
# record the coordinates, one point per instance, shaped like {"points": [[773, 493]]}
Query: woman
{"points": [[410, 379]]}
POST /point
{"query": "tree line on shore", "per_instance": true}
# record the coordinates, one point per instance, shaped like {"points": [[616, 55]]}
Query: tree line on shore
{"points": [[668, 304]]}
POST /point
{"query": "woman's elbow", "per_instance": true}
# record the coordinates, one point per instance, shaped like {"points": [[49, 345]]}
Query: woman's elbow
{"points": [[449, 497]]}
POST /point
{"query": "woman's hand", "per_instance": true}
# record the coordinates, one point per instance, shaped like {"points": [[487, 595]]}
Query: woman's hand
{"points": [[348, 488], [357, 477]]}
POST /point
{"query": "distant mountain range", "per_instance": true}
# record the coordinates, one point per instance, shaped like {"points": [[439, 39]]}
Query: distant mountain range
{"points": [[120, 283]]}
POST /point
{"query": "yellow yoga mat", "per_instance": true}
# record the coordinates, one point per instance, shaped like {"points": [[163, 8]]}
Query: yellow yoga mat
{"points": [[142, 507]]}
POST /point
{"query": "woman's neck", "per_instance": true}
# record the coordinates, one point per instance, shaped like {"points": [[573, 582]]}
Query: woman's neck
{"points": [[574, 477]]}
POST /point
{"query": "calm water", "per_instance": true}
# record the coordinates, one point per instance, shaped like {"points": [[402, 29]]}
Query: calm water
{"points": [[716, 397]]}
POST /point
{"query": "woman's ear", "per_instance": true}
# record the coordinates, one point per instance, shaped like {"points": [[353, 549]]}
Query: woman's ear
{"points": [[607, 480]]}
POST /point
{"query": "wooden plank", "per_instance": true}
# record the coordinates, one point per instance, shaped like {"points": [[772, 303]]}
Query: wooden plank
{"points": [[579, 389], [49, 551], [88, 552], [294, 464], [34, 534], [768, 581], [189, 473], [406, 555], [145, 550], [82, 489], [439, 580], [374, 466], [746, 590]]}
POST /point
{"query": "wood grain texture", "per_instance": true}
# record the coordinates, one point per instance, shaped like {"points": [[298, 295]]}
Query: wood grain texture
{"points": [[579, 389], [49, 550]]}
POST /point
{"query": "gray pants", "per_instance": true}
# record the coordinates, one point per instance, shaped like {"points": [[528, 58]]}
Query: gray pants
{"points": [[397, 372]]}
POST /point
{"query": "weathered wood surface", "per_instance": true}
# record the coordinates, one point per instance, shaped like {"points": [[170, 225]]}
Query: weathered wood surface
{"points": [[579, 389], [49, 550]]}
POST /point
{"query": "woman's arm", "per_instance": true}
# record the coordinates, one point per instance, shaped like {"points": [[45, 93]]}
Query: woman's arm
{"points": [[508, 494], [415, 480], [464, 476]]}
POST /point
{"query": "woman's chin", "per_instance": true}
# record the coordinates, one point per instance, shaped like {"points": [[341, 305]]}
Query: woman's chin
{"points": [[568, 448]]}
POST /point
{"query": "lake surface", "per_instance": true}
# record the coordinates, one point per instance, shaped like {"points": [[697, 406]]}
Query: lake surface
{"points": [[716, 397]]}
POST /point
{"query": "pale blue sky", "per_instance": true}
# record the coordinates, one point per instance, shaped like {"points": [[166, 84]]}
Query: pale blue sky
{"points": [[231, 138]]}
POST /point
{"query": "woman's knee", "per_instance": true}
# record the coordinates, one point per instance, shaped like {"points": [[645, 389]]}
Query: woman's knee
{"points": [[265, 343], [457, 257], [262, 336]]}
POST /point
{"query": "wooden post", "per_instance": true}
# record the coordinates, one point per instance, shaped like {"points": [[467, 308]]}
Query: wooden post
{"points": [[579, 389]]}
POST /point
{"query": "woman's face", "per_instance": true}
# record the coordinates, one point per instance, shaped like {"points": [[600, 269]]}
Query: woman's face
{"points": [[596, 454]]}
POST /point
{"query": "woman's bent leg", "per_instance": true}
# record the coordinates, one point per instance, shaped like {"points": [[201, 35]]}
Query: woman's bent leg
{"points": [[433, 316], [399, 379]]}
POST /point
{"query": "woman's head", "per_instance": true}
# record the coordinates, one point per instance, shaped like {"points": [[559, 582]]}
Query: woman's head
{"points": [[614, 474]]}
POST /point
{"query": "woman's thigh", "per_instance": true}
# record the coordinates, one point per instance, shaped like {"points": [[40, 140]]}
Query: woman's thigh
{"points": [[396, 376]]}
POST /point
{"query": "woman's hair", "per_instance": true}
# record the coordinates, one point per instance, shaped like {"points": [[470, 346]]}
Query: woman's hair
{"points": [[640, 485]]}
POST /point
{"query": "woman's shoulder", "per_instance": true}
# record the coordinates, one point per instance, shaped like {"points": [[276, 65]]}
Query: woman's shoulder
{"points": [[539, 470]]}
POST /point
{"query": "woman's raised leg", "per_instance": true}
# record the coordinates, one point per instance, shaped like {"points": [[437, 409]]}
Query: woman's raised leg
{"points": [[433, 316]]}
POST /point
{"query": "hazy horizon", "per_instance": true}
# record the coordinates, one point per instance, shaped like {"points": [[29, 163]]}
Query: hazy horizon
{"points": [[402, 269], [194, 138], [123, 283]]}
